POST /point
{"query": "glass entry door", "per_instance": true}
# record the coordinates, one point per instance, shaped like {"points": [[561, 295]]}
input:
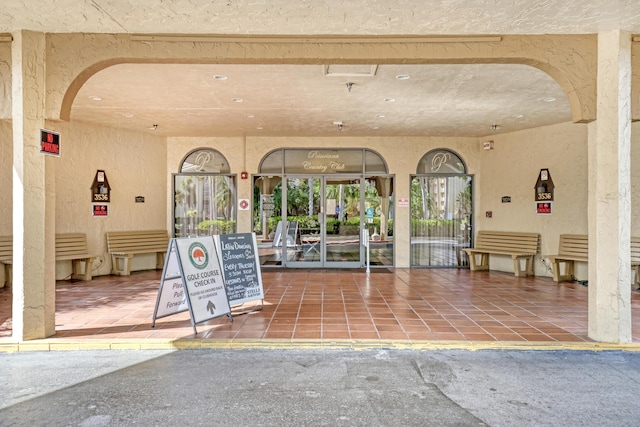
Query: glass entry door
{"points": [[343, 206], [323, 222], [303, 224]]}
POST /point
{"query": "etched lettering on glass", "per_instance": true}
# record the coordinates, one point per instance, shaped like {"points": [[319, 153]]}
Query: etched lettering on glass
{"points": [[438, 160], [202, 159], [319, 155]]}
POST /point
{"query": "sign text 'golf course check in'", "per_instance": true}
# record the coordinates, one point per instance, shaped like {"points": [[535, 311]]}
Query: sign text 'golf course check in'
{"points": [[193, 277]]}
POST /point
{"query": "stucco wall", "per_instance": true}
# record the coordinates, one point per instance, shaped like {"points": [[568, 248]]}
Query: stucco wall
{"points": [[5, 80], [6, 180], [135, 165], [511, 169], [401, 162], [139, 164]]}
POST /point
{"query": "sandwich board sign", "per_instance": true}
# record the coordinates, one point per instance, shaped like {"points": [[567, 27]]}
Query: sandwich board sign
{"points": [[240, 266], [192, 280]]}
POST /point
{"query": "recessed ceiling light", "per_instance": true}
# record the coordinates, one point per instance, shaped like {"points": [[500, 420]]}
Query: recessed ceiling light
{"points": [[237, 99], [380, 116], [375, 127], [389, 100], [403, 77], [220, 77], [127, 115], [95, 98], [549, 99], [259, 128], [250, 116], [517, 116]]}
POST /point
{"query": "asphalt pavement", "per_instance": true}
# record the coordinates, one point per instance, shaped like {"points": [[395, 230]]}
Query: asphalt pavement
{"points": [[320, 388]]}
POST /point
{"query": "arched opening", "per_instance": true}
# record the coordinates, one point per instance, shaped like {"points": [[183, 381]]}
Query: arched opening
{"points": [[204, 195], [441, 210]]}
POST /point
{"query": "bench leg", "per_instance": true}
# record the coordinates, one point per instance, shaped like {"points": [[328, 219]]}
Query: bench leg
{"points": [[160, 260], [528, 266], [80, 273], [8, 280], [556, 268], [474, 265], [121, 264]]}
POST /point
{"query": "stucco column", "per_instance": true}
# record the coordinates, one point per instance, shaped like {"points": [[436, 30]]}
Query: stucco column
{"points": [[609, 194], [33, 232]]}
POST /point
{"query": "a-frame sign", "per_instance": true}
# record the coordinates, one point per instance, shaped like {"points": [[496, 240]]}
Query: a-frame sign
{"points": [[192, 280], [241, 267]]}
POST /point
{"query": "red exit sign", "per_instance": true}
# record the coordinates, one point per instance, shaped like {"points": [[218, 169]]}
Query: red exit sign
{"points": [[49, 142]]}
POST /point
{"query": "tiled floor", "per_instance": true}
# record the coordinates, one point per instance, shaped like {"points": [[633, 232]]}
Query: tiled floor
{"points": [[388, 304]]}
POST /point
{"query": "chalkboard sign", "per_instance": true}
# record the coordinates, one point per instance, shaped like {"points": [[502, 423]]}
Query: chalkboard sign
{"points": [[240, 266]]}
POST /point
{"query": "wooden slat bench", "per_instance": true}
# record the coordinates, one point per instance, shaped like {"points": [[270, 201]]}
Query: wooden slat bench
{"points": [[69, 247], [520, 246], [6, 257], [123, 245], [571, 248], [575, 248], [635, 262], [73, 247]]}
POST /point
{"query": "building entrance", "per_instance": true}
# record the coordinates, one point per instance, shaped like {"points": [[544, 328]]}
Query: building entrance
{"points": [[319, 220], [332, 235]]}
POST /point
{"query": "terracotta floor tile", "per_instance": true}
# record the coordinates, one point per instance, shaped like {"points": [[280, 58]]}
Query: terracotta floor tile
{"points": [[421, 336], [415, 304], [336, 334], [306, 335], [278, 334], [392, 335], [479, 337], [450, 336], [364, 335], [362, 327]]}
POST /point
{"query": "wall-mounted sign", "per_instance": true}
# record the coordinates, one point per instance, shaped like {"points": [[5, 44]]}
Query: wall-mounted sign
{"points": [[506, 199], [402, 202], [544, 187], [543, 208], [49, 142], [100, 210], [100, 189], [243, 204], [139, 199]]}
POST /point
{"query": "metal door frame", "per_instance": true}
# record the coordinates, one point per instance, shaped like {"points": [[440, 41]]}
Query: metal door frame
{"points": [[322, 220]]}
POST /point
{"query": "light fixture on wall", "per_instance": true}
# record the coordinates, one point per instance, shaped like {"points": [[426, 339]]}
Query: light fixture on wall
{"points": [[349, 86], [494, 127], [339, 124], [487, 145]]}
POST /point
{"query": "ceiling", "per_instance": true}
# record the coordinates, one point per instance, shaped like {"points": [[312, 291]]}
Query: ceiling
{"points": [[311, 100]]}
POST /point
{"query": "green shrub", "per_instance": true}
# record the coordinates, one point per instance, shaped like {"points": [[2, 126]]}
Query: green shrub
{"points": [[218, 226], [435, 227]]}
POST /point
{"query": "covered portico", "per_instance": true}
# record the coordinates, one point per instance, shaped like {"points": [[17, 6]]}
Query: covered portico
{"points": [[599, 73]]}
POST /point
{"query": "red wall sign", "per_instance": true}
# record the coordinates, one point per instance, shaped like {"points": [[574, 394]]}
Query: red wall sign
{"points": [[49, 142], [100, 210], [543, 208]]}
